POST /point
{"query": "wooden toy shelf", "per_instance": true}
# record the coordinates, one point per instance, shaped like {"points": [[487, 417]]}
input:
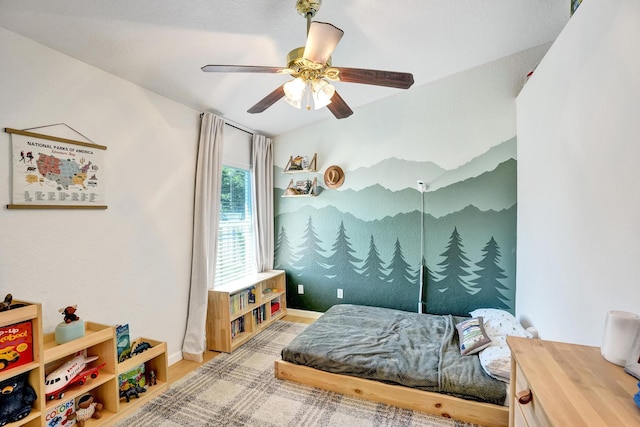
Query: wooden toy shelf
{"points": [[99, 340], [155, 359]]}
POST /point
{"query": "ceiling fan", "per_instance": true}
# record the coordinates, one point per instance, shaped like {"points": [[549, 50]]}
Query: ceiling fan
{"points": [[311, 68]]}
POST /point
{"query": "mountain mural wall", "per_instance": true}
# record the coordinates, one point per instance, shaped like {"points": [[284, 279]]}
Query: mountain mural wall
{"points": [[365, 239]]}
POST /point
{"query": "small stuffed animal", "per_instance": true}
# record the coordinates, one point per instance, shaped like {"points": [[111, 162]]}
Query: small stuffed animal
{"points": [[6, 304], [87, 408], [69, 313], [16, 397]]}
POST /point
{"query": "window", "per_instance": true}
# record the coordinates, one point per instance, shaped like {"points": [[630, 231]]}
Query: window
{"points": [[235, 257]]}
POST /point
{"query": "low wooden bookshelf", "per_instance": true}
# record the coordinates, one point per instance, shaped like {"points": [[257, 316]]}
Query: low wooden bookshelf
{"points": [[239, 310], [98, 340]]}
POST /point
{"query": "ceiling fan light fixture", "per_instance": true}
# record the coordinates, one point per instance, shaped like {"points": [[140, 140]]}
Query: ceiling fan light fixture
{"points": [[323, 91], [321, 42], [294, 91], [295, 103]]}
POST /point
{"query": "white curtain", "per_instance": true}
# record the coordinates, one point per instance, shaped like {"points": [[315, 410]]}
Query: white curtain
{"points": [[262, 162], [206, 216]]}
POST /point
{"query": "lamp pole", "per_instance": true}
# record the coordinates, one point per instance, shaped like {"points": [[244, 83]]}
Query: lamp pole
{"points": [[421, 188]]}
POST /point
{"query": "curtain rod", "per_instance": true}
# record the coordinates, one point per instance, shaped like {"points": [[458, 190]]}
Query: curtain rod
{"points": [[235, 125], [239, 128]]}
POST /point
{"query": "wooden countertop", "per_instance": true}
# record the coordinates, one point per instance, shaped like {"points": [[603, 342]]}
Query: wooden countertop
{"points": [[575, 385]]}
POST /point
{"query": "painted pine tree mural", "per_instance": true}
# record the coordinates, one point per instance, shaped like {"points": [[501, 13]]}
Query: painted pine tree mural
{"points": [[342, 263], [428, 280], [488, 281], [310, 265], [403, 292], [311, 260], [455, 291], [373, 267], [374, 212], [283, 258]]}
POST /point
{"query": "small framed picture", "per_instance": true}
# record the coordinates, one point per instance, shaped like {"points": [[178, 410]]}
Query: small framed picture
{"points": [[296, 163], [633, 362], [304, 186]]}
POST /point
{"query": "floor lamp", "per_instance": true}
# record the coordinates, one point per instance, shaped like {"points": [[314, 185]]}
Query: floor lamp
{"points": [[422, 188]]}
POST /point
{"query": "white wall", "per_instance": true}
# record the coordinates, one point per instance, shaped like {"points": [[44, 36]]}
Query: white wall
{"points": [[578, 175], [130, 263]]}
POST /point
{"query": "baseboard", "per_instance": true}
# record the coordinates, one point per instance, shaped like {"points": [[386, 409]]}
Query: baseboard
{"points": [[304, 313], [174, 358]]}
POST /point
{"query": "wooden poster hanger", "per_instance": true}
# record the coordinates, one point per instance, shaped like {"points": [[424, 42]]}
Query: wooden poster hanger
{"points": [[60, 204]]}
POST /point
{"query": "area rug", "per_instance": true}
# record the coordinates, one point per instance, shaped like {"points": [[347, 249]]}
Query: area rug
{"points": [[239, 389]]}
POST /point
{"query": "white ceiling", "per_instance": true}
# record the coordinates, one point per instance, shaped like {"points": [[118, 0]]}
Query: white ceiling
{"points": [[162, 44]]}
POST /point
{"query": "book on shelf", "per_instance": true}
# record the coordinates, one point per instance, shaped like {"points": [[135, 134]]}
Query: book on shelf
{"points": [[61, 414], [123, 342], [237, 326], [133, 377], [16, 345], [260, 314], [242, 300]]}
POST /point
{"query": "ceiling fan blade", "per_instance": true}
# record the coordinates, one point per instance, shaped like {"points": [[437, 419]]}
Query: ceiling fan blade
{"points": [[267, 101], [240, 69], [338, 107], [376, 77], [321, 42]]}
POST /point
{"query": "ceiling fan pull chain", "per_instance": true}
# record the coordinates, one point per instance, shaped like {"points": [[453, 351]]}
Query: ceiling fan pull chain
{"points": [[309, 89]]}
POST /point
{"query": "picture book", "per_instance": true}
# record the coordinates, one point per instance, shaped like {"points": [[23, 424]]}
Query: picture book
{"points": [[133, 377], [61, 414], [123, 342], [16, 345]]}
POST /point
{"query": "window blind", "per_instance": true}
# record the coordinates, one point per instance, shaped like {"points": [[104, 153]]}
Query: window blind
{"points": [[235, 257]]}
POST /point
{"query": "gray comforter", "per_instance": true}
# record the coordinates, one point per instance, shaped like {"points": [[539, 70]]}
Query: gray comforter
{"points": [[411, 349]]}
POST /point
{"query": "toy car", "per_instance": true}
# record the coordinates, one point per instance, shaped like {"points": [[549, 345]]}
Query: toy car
{"points": [[8, 355]]}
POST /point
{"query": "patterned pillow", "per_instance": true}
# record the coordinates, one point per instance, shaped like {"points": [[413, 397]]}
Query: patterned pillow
{"points": [[500, 323], [496, 361], [472, 336], [496, 358]]}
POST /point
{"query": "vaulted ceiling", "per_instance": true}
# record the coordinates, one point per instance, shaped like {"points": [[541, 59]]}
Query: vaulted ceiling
{"points": [[162, 44]]}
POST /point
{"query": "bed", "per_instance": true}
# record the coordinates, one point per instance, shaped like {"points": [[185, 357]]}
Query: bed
{"points": [[403, 359]]}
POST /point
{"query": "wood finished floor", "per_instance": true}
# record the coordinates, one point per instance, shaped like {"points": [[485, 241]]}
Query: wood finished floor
{"points": [[183, 367]]}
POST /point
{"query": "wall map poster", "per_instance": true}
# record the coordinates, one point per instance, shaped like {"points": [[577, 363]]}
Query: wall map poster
{"points": [[52, 172]]}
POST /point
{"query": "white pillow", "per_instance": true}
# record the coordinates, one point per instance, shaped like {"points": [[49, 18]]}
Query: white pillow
{"points": [[496, 361], [500, 323]]}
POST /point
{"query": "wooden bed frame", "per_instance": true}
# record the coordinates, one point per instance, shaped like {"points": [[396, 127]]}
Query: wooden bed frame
{"points": [[485, 414]]}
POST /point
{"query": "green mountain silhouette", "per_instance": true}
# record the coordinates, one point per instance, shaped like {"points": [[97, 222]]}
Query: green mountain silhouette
{"points": [[495, 190]]}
